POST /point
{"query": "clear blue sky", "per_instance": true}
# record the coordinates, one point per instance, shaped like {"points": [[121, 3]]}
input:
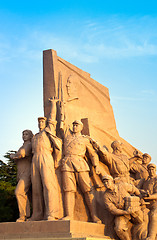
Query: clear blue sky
{"points": [[115, 41]]}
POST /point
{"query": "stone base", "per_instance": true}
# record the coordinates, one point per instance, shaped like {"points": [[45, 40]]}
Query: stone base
{"points": [[52, 230]]}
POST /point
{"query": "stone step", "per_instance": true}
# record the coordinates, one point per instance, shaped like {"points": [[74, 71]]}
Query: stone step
{"points": [[52, 230]]}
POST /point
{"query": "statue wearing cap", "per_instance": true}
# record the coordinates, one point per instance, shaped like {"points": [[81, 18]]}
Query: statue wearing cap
{"points": [[76, 169], [149, 192], [118, 163], [139, 168], [119, 202], [46, 147]]}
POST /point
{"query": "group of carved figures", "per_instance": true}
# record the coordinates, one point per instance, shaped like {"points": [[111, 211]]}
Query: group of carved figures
{"points": [[127, 198]]}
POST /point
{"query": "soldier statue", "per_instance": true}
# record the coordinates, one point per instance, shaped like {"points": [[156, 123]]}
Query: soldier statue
{"points": [[139, 168], [122, 205], [75, 169], [118, 163], [149, 192]]}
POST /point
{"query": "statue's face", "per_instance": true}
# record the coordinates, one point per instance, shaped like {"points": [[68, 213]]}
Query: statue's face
{"points": [[26, 136], [116, 146], [152, 172], [41, 124], [77, 128], [109, 184], [145, 160], [119, 148]]}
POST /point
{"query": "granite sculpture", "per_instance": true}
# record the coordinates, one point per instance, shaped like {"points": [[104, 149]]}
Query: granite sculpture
{"points": [[123, 206], [23, 158], [76, 169], [46, 148], [82, 169], [88, 101], [139, 168], [118, 163], [149, 191]]}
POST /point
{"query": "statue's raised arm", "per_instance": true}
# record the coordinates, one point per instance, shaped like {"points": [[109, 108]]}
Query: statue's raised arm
{"points": [[53, 102]]}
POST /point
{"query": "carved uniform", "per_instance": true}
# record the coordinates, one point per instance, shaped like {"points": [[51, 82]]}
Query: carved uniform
{"points": [[114, 200], [24, 179], [140, 170], [118, 164], [44, 181], [74, 166], [151, 185]]}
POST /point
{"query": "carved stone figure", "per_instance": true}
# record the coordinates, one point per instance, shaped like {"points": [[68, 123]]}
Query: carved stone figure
{"points": [[124, 207], [89, 101], [23, 159], [139, 169], [119, 164], [44, 181], [92, 99], [75, 169], [150, 194], [71, 86]]}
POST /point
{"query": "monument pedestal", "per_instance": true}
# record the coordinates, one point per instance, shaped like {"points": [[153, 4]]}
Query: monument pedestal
{"points": [[55, 230]]}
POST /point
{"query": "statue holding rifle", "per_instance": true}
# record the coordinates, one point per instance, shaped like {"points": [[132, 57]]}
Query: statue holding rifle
{"points": [[75, 168]]}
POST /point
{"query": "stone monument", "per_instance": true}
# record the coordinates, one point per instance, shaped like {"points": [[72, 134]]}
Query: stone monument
{"points": [[81, 168], [86, 99]]}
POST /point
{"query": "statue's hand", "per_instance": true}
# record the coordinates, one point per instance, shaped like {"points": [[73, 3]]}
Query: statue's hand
{"points": [[130, 210], [143, 193], [53, 99]]}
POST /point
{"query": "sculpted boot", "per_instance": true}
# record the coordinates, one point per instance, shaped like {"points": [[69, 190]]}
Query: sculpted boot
{"points": [[89, 197], [69, 203]]}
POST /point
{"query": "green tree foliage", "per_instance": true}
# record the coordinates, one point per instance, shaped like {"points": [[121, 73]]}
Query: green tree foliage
{"points": [[8, 204]]}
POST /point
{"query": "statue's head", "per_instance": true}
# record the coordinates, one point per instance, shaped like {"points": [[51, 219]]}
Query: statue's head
{"points": [[146, 158], [108, 182], [27, 135], [116, 146], [72, 87], [41, 123], [77, 126], [151, 169]]}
